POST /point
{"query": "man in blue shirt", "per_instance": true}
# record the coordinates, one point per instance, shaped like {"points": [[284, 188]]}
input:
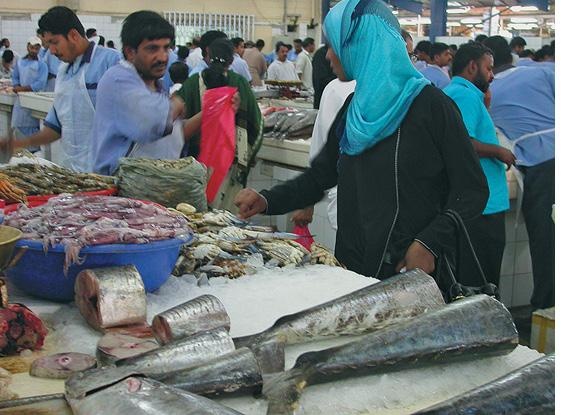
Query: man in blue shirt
{"points": [[295, 51], [71, 116], [239, 65], [51, 60], [522, 107], [473, 73], [134, 115], [437, 70], [29, 75]]}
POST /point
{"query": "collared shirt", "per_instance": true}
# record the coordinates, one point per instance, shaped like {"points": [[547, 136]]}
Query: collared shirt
{"points": [[104, 58], [304, 67], [194, 58], [240, 67], [127, 112], [292, 55], [32, 69], [201, 66], [480, 127], [52, 62], [257, 65], [436, 75], [420, 65], [525, 62], [523, 102], [282, 71], [270, 58]]}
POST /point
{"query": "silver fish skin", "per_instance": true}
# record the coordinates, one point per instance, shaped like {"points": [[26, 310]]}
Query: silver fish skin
{"points": [[237, 372], [200, 314], [143, 396], [398, 298], [466, 329], [526, 391], [156, 363]]}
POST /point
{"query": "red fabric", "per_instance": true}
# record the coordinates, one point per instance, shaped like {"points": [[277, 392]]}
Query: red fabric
{"points": [[218, 136], [306, 239]]}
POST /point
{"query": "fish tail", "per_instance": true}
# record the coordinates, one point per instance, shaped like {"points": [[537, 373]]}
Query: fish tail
{"points": [[283, 391]]}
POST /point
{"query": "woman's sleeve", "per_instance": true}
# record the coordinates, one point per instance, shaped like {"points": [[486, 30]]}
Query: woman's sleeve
{"points": [[468, 190]]}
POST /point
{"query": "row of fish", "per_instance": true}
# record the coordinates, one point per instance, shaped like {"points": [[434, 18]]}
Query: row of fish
{"points": [[290, 123], [224, 244], [405, 320], [36, 179]]}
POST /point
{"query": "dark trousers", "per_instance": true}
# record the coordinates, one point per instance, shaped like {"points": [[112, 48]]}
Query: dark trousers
{"points": [[487, 234], [539, 196]]}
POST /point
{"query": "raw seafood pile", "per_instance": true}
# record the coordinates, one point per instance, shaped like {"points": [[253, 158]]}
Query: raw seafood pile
{"points": [[290, 123], [79, 221], [224, 244], [20, 329], [35, 179]]}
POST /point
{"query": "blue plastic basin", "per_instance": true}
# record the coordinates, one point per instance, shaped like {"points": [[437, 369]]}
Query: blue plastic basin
{"points": [[41, 274]]}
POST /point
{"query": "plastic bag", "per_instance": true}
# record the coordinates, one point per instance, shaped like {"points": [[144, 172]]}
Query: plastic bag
{"points": [[306, 239], [167, 182], [218, 136]]}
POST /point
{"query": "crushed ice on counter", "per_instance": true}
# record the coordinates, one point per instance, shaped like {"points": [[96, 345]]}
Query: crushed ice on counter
{"points": [[254, 303]]}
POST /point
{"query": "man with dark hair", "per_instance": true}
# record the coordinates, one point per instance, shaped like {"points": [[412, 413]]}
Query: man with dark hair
{"points": [[295, 51], [29, 75], [239, 65], [523, 108], [6, 66], [91, 32], [282, 69], [178, 72], [437, 70], [322, 74], [472, 72], [304, 63], [206, 40], [260, 44], [517, 45], [481, 38], [135, 115], [256, 63], [71, 116], [50, 60], [422, 51], [111, 44]]}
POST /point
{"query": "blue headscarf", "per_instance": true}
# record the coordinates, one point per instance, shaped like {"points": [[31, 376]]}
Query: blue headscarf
{"points": [[366, 38]]}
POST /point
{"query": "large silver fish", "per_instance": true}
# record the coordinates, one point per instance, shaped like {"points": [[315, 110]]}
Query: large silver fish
{"points": [[236, 372], [142, 396], [526, 391], [174, 356], [388, 302], [474, 326], [199, 314]]}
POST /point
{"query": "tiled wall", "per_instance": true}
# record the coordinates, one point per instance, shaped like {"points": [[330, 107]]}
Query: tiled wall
{"points": [[18, 30], [516, 272]]}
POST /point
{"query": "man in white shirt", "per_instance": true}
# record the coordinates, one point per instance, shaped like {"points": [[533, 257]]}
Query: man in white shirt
{"points": [[282, 69], [195, 54], [304, 62]]}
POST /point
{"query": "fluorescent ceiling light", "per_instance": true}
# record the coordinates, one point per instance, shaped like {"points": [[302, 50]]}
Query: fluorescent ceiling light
{"points": [[552, 24], [522, 26], [412, 21], [471, 20], [479, 26], [523, 20], [524, 8], [453, 24], [395, 12], [454, 4], [458, 11]]}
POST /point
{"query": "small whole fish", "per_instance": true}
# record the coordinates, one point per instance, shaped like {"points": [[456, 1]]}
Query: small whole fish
{"points": [[143, 396], [112, 296], [61, 365], [236, 372], [466, 329], [525, 391], [200, 314], [396, 299], [174, 356]]}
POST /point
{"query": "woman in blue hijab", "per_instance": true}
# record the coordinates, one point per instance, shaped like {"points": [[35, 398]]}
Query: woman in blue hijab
{"points": [[398, 151]]}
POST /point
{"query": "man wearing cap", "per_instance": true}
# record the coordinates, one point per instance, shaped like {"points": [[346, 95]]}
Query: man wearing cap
{"points": [[70, 120], [29, 75]]}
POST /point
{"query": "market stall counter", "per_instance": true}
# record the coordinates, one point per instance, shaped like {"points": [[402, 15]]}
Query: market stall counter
{"points": [[253, 303]]}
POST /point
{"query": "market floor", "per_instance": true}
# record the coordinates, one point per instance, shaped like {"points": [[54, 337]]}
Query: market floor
{"points": [[523, 320]]}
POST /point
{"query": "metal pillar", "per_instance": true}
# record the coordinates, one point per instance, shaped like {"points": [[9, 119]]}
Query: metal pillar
{"points": [[438, 18]]}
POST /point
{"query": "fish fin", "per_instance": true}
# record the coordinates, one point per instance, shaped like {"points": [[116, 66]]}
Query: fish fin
{"points": [[283, 391], [270, 355]]}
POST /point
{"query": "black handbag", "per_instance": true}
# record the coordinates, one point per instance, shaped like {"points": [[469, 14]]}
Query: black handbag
{"points": [[446, 277]]}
